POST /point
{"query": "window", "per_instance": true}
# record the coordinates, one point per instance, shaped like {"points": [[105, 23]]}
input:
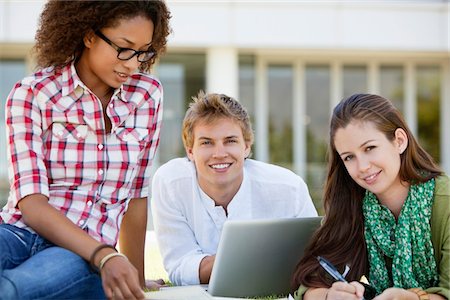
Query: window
{"points": [[355, 80], [428, 109], [318, 94], [182, 75], [11, 71], [391, 85], [247, 84], [247, 88], [280, 86]]}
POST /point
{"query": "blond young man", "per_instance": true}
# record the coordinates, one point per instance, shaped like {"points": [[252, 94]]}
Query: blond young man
{"points": [[193, 196]]}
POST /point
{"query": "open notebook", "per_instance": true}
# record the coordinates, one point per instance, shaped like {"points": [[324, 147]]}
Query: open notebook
{"points": [[194, 292]]}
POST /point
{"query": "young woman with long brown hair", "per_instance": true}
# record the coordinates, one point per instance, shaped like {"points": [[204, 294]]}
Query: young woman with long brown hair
{"points": [[386, 210]]}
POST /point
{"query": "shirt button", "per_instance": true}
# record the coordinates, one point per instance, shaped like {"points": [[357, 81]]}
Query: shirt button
{"points": [[89, 203], [111, 105], [100, 146], [81, 222], [100, 172], [60, 133], [78, 135]]}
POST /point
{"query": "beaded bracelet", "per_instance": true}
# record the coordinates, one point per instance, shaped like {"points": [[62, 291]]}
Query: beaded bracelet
{"points": [[420, 293], [94, 253], [108, 257]]}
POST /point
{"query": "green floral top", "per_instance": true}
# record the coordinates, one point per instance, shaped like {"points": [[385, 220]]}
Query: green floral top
{"points": [[440, 237]]}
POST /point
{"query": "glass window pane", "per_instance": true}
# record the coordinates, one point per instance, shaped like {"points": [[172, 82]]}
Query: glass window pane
{"points": [[182, 76], [247, 88], [355, 80], [247, 83], [428, 109], [391, 85], [11, 71], [173, 78], [318, 114], [280, 80]]}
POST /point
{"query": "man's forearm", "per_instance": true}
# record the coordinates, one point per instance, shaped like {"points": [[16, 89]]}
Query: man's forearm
{"points": [[205, 268]]}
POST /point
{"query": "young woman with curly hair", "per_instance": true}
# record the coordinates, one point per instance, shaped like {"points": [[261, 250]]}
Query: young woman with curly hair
{"points": [[387, 210], [82, 133]]}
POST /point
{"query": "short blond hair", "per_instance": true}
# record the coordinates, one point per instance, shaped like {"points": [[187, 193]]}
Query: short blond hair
{"points": [[210, 107]]}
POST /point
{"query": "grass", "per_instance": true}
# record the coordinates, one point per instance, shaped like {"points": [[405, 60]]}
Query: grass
{"points": [[154, 268]]}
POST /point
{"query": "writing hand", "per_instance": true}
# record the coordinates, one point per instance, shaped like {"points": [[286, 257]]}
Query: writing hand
{"points": [[120, 280], [345, 291]]}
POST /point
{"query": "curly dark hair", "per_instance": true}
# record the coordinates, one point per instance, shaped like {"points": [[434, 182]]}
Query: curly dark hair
{"points": [[63, 25]]}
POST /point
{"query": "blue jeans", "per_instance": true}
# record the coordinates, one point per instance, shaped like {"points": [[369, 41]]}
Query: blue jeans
{"points": [[33, 268]]}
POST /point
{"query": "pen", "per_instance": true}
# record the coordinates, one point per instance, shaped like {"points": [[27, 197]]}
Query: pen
{"points": [[331, 269]]}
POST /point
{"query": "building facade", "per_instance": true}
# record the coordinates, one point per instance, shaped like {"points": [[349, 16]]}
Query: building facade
{"points": [[289, 63]]}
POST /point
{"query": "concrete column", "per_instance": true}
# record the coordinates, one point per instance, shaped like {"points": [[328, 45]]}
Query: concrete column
{"points": [[222, 71], [410, 87], [261, 111], [298, 118], [373, 78], [337, 85]]}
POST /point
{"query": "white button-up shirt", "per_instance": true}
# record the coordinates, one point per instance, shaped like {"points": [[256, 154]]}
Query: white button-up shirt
{"points": [[188, 224]]}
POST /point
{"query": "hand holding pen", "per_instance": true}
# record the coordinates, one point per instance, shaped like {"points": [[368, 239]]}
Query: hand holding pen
{"points": [[330, 269]]}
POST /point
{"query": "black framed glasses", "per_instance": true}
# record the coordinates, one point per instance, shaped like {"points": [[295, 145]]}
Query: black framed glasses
{"points": [[128, 53]]}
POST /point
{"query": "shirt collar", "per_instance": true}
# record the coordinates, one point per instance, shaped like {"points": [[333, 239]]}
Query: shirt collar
{"points": [[73, 88], [238, 208], [70, 80]]}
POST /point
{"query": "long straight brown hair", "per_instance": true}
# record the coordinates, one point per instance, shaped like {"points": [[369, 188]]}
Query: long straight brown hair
{"points": [[340, 239]]}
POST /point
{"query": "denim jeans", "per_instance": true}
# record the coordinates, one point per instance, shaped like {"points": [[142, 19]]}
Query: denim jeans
{"points": [[33, 268]]}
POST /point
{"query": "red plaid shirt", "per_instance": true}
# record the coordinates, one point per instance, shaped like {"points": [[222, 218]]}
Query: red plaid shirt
{"points": [[58, 147]]}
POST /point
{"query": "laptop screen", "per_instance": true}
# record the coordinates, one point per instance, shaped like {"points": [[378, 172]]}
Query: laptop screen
{"points": [[257, 257]]}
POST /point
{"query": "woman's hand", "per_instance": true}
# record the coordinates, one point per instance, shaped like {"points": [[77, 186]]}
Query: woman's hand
{"points": [[120, 279], [397, 294], [154, 285], [339, 290], [343, 290]]}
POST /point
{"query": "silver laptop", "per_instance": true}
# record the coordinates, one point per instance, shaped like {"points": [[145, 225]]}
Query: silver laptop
{"points": [[258, 257]]}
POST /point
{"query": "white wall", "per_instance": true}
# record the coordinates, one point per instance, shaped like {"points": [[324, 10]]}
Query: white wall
{"points": [[19, 19], [374, 25], [407, 25]]}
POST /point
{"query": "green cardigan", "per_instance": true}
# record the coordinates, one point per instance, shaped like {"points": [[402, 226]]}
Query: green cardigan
{"points": [[440, 237]]}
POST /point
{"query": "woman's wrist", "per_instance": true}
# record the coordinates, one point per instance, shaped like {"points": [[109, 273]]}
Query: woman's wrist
{"points": [[316, 293], [421, 294], [107, 257], [98, 253]]}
